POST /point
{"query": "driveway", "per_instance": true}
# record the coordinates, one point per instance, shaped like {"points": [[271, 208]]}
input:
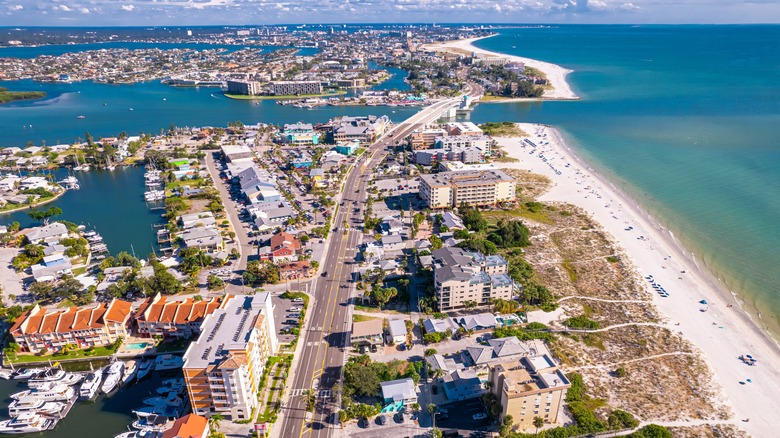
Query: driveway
{"points": [[10, 280]]}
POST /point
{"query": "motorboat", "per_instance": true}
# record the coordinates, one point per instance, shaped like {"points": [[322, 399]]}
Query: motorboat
{"points": [[48, 393], [154, 195], [151, 422], [145, 368], [161, 410], [129, 372], [172, 399], [34, 405], [48, 375], [168, 362], [113, 377], [26, 373], [6, 374], [171, 385], [27, 423], [91, 385], [146, 433]]}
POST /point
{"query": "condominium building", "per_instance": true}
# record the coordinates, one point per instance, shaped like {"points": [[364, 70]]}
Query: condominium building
{"points": [[463, 128], [461, 276], [425, 138], [474, 187], [249, 88], [464, 155], [290, 88], [528, 388], [452, 142], [40, 329], [299, 134], [158, 316], [224, 366]]}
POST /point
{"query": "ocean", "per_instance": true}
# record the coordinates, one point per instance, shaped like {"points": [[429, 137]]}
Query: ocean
{"points": [[686, 119]]}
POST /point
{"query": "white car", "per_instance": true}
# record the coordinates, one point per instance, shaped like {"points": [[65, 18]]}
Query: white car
{"points": [[295, 309], [480, 416]]}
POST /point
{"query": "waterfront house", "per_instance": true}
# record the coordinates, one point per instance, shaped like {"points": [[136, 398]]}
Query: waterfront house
{"points": [[87, 326], [47, 233], [203, 238]]}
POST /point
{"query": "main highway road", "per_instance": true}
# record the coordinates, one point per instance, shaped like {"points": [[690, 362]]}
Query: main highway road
{"points": [[324, 339]]}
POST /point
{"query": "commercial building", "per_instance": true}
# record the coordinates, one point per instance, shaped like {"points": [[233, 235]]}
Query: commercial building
{"points": [[299, 134], [238, 153], [87, 326], [474, 188], [367, 332], [294, 88], [463, 128], [158, 316], [249, 88], [528, 388], [461, 276], [223, 368], [361, 128], [427, 157]]}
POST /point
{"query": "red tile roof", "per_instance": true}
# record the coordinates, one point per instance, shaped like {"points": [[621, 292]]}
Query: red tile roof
{"points": [[188, 426]]}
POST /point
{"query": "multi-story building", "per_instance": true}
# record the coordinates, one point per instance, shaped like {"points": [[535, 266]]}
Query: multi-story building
{"points": [[294, 88], [474, 187], [465, 155], [173, 319], [453, 142], [463, 128], [223, 368], [299, 134], [362, 128], [426, 138], [249, 88], [461, 276], [88, 326], [528, 388]]}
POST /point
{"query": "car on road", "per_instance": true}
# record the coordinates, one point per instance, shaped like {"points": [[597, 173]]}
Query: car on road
{"points": [[363, 423], [435, 389], [479, 416], [324, 273]]}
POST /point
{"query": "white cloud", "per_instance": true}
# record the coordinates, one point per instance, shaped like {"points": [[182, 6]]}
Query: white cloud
{"points": [[84, 10], [63, 8], [128, 8], [15, 7]]}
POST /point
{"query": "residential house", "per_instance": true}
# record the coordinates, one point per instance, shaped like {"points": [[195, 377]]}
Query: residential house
{"points": [[295, 270], [462, 384], [53, 232], [396, 331], [402, 391], [367, 332], [284, 247]]}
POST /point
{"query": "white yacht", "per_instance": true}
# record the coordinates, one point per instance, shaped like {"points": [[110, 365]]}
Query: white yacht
{"points": [[47, 393], [113, 376], [6, 374], [54, 375], [172, 399], [151, 422], [130, 370], [34, 405], [91, 385], [154, 195], [168, 362], [145, 368], [27, 423], [26, 373], [140, 434], [171, 385]]}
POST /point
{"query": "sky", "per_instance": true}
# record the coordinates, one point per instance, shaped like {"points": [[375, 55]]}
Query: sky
{"points": [[217, 12]]}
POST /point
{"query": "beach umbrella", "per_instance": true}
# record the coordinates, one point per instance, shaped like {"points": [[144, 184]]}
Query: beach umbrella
{"points": [[703, 302]]}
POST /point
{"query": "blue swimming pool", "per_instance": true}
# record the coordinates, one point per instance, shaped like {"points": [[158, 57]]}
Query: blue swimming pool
{"points": [[137, 345]]}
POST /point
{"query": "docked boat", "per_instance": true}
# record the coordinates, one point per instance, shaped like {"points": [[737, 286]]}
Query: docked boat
{"points": [[129, 372], [140, 434], [145, 368], [171, 385], [91, 385], [168, 362], [172, 399], [161, 410], [154, 195], [34, 405], [151, 422], [6, 374], [26, 373], [113, 376], [48, 393], [70, 183], [57, 376], [27, 423]]}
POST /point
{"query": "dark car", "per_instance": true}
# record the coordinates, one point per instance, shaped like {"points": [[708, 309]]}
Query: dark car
{"points": [[399, 418], [382, 420], [435, 389], [324, 273], [363, 423], [291, 322]]}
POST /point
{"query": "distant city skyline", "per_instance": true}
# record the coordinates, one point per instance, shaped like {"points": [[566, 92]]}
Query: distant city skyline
{"points": [[240, 12]]}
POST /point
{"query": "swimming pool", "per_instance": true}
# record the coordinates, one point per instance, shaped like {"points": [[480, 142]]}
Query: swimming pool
{"points": [[136, 345]]}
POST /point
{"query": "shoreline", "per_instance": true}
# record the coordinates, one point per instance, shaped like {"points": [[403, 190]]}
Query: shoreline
{"points": [[30, 207], [555, 73], [721, 333]]}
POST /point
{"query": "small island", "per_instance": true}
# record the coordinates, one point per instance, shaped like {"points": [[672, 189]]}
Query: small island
{"points": [[12, 96]]}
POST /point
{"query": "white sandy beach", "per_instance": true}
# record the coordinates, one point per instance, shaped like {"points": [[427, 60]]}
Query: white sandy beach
{"points": [[722, 333], [555, 73]]}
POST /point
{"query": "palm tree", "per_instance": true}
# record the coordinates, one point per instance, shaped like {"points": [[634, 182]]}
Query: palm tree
{"points": [[311, 398], [214, 421], [432, 409], [538, 422]]}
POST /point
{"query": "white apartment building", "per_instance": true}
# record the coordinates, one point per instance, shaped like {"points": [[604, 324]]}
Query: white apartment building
{"points": [[224, 366], [460, 276], [473, 187]]}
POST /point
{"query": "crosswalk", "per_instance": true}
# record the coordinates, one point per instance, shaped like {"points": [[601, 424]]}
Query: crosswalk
{"points": [[323, 393]]}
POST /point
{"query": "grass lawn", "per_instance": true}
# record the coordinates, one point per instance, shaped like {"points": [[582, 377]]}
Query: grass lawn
{"points": [[361, 318], [192, 183], [173, 345], [78, 354]]}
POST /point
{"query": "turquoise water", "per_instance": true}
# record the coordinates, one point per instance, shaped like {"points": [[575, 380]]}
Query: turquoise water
{"points": [[111, 203], [136, 346], [688, 119]]}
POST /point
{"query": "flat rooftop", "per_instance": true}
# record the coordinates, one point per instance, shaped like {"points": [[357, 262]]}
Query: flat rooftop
{"points": [[228, 328]]}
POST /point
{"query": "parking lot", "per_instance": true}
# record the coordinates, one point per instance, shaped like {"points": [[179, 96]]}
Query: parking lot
{"points": [[393, 428], [282, 308], [460, 415]]}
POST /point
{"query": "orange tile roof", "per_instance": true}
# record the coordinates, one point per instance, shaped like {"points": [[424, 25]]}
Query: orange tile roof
{"points": [[66, 320], [49, 323], [96, 320], [34, 322], [285, 240], [21, 319], [168, 312], [188, 426], [118, 311], [155, 310]]}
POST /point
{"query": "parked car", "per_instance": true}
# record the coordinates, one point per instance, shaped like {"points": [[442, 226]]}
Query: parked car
{"points": [[291, 322], [363, 423], [479, 416], [297, 300], [295, 309], [435, 389], [382, 420]]}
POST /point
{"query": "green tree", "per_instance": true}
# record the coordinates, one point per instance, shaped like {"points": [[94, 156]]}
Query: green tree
{"points": [[44, 215], [506, 426], [621, 372], [433, 409], [383, 295], [538, 423], [311, 399], [651, 431]]}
